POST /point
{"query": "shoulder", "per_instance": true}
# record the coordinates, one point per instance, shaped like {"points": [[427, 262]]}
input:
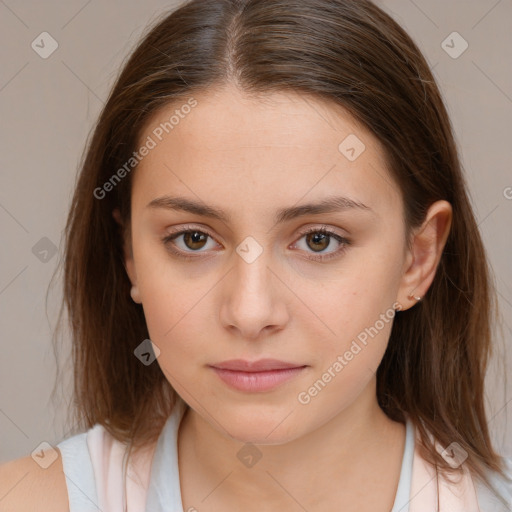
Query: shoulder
{"points": [[58, 479], [499, 497], [26, 485], [94, 466], [466, 493]]}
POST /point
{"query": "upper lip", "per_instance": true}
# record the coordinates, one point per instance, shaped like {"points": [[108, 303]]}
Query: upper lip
{"points": [[255, 366]]}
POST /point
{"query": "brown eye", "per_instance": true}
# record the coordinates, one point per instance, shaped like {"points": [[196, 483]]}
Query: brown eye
{"points": [[194, 239], [322, 244], [318, 241], [186, 242]]}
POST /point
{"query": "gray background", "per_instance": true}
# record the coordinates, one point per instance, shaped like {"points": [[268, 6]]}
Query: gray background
{"points": [[49, 105]]}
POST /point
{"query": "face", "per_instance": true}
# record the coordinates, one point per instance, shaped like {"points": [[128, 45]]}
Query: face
{"points": [[265, 278]]}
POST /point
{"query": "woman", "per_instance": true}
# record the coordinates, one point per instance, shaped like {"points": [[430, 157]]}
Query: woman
{"points": [[273, 271]]}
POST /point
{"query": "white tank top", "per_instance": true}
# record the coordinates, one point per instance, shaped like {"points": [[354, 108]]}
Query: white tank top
{"points": [[93, 464]]}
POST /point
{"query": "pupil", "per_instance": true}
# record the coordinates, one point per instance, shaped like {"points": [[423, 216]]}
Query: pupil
{"points": [[319, 237], [195, 236]]}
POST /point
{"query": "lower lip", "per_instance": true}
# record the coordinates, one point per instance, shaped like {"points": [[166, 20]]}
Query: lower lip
{"points": [[257, 381]]}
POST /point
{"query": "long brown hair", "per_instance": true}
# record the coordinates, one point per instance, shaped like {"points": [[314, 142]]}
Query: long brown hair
{"points": [[346, 52]]}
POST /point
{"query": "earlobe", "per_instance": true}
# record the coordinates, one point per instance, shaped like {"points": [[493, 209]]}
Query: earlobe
{"points": [[425, 253], [128, 257], [135, 294]]}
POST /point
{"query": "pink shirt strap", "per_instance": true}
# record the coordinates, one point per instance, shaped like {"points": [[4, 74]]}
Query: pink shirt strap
{"points": [[459, 496]]}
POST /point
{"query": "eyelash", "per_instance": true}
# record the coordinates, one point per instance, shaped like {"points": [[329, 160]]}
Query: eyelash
{"points": [[322, 258]]}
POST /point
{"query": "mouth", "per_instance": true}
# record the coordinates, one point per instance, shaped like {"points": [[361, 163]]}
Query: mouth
{"points": [[257, 376]]}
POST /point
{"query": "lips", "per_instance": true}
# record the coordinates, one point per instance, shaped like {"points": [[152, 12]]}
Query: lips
{"points": [[261, 365], [256, 376]]}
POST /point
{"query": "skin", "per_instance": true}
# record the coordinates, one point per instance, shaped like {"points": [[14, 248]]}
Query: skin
{"points": [[250, 158]]}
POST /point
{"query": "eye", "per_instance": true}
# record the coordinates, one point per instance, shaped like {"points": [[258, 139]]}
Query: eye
{"points": [[185, 242], [192, 240], [319, 239]]}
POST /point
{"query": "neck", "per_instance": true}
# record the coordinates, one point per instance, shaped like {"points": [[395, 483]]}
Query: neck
{"points": [[358, 443]]}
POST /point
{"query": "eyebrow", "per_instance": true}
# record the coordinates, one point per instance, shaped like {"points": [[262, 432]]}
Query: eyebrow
{"points": [[328, 205]]}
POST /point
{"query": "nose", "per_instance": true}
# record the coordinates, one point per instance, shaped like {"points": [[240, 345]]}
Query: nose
{"points": [[254, 300]]}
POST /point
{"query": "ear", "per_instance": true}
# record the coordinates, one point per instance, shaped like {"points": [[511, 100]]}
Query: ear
{"points": [[128, 256], [425, 253]]}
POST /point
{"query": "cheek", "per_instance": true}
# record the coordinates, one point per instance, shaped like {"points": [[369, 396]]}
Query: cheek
{"points": [[364, 287], [176, 324], [359, 309], [362, 327], [348, 361], [178, 313], [168, 293], [176, 310]]}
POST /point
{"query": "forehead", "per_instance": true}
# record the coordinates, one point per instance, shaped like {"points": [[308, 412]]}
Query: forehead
{"points": [[247, 153]]}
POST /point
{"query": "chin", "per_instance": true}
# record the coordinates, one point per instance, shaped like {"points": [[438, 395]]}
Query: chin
{"points": [[261, 429], [260, 437]]}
